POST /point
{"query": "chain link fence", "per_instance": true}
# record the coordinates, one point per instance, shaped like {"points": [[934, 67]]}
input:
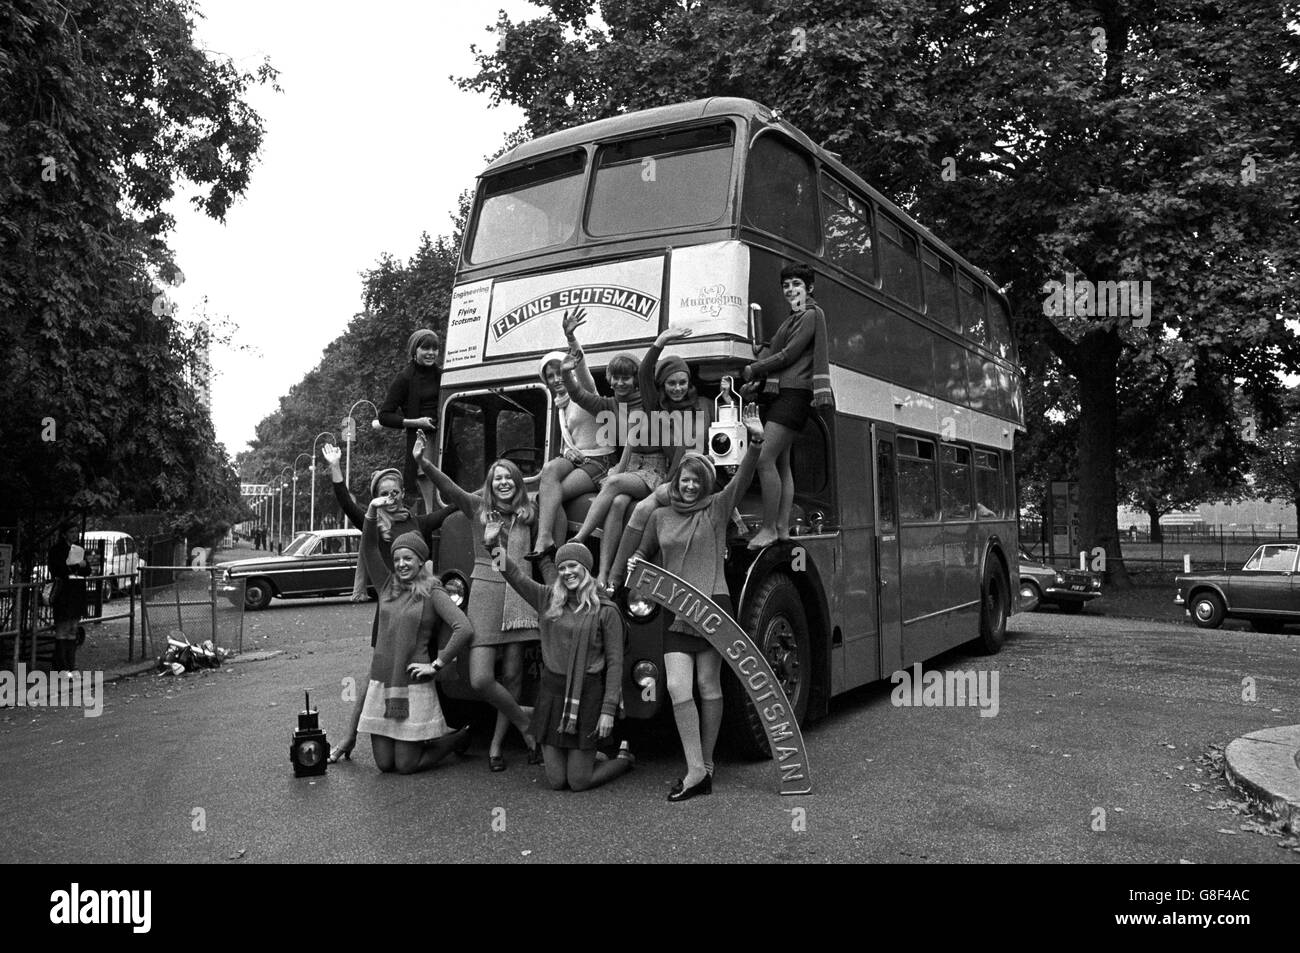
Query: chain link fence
{"points": [[190, 604]]}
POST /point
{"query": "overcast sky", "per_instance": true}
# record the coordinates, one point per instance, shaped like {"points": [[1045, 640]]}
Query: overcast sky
{"points": [[369, 144]]}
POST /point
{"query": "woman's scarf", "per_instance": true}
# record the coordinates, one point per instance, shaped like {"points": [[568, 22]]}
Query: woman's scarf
{"points": [[402, 645], [576, 669], [823, 396], [516, 611], [700, 522]]}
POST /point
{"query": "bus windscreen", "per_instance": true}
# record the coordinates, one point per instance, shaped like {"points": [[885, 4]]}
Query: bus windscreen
{"points": [[523, 210], [670, 180]]}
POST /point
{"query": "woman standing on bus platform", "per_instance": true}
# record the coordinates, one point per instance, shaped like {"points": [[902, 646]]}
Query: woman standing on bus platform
{"points": [[394, 520], [692, 533], [800, 352], [402, 714], [412, 404], [582, 658], [503, 621], [585, 460]]}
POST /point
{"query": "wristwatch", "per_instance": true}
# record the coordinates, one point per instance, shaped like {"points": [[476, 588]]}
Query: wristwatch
{"points": [[437, 666]]}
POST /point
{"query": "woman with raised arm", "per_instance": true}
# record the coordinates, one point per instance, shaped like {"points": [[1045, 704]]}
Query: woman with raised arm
{"points": [[674, 419], [582, 666], [588, 449], [799, 352], [412, 404], [691, 532], [402, 714], [394, 520], [503, 621]]}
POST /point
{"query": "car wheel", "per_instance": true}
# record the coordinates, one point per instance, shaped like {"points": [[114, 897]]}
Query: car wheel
{"points": [[994, 608], [1207, 610], [1070, 608], [1266, 625], [775, 615], [1030, 595], [257, 594]]}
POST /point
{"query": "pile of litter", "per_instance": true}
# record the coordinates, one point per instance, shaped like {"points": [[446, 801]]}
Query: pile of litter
{"points": [[183, 656]]}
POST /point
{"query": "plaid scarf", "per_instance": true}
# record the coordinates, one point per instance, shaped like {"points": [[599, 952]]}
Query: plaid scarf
{"points": [[577, 667]]}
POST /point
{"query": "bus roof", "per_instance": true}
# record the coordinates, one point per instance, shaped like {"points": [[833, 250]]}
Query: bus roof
{"points": [[615, 127]]}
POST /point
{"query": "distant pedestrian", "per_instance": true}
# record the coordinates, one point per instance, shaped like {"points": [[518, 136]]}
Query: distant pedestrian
{"points": [[67, 561]]}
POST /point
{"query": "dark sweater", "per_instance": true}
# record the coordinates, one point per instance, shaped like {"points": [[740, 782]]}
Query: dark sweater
{"points": [[413, 393]]}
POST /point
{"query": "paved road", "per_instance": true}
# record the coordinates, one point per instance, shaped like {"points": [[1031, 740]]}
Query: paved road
{"points": [[1093, 713]]}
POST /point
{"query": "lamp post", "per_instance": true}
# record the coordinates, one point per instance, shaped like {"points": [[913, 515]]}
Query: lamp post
{"points": [[281, 486], [349, 426], [312, 469], [293, 509]]}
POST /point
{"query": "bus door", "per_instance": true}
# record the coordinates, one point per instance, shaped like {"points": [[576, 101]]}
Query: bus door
{"points": [[889, 591]]}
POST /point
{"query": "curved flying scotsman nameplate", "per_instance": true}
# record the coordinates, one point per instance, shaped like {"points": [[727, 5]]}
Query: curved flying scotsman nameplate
{"points": [[746, 660]]}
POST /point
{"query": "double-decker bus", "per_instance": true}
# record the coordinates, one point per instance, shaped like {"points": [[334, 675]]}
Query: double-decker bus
{"points": [[904, 529]]}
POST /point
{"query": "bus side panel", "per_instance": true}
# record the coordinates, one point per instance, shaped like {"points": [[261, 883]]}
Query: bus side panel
{"points": [[853, 603], [922, 572], [962, 549]]}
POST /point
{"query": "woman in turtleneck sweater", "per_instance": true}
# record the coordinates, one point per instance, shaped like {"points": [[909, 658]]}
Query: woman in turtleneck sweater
{"points": [[691, 532], [412, 404]]}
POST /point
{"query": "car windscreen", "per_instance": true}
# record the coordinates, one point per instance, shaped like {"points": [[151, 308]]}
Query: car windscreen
{"points": [[530, 208], [668, 180], [483, 426], [299, 544]]}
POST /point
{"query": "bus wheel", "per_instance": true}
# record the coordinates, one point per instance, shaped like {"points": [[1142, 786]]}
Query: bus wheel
{"points": [[775, 620], [993, 608]]}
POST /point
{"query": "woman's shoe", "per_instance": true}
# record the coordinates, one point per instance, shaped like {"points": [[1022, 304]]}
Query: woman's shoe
{"points": [[686, 793], [541, 554], [496, 763], [535, 754], [462, 742], [625, 754]]}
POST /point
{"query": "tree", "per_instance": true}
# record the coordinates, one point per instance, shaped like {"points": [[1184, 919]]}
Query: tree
{"points": [[1276, 456], [104, 108], [1109, 141]]}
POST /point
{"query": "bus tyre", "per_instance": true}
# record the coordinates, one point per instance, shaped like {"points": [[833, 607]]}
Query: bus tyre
{"points": [[1207, 609], [774, 618], [994, 603]]}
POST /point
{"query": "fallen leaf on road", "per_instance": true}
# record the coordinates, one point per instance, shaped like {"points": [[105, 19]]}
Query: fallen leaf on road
{"points": [[1119, 810], [59, 742], [1182, 860], [525, 853], [1224, 830], [242, 851]]}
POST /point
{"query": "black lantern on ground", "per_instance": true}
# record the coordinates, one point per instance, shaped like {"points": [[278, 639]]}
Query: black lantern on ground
{"points": [[308, 751]]}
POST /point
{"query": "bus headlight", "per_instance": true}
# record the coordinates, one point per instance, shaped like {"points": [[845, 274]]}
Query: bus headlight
{"points": [[638, 608], [645, 673], [457, 588]]}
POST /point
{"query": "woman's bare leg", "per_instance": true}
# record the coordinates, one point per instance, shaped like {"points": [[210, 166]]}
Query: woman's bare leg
{"points": [[382, 748], [708, 676], [585, 774], [609, 543], [777, 439], [550, 502], [613, 486], [679, 667], [482, 678]]}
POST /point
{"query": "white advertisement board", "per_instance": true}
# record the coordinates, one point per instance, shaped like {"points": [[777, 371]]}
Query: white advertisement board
{"points": [[709, 288]]}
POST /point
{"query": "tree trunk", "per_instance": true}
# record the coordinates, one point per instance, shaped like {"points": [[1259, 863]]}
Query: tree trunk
{"points": [[1096, 368], [1153, 514]]}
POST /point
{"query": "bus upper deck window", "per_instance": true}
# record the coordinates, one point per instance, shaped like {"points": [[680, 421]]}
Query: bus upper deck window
{"points": [[898, 263], [526, 209], [973, 319], [848, 230], [781, 191], [663, 181]]}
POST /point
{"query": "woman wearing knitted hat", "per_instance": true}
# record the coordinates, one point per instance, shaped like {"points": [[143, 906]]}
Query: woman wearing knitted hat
{"points": [[587, 453], [691, 532], [674, 419], [503, 621], [799, 352], [582, 658], [412, 403], [402, 714], [393, 519]]}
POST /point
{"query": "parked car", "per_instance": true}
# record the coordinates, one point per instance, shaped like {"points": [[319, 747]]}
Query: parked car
{"points": [[319, 563], [1068, 590], [120, 558], [1265, 591]]}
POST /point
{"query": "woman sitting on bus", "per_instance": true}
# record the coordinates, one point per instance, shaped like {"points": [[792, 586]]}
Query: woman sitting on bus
{"points": [[692, 534], [402, 714], [585, 460], [502, 620], [799, 351], [674, 419], [582, 660], [394, 520]]}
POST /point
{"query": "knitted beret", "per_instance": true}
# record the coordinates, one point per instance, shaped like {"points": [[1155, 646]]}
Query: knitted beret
{"points": [[414, 542], [578, 552], [670, 365]]}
